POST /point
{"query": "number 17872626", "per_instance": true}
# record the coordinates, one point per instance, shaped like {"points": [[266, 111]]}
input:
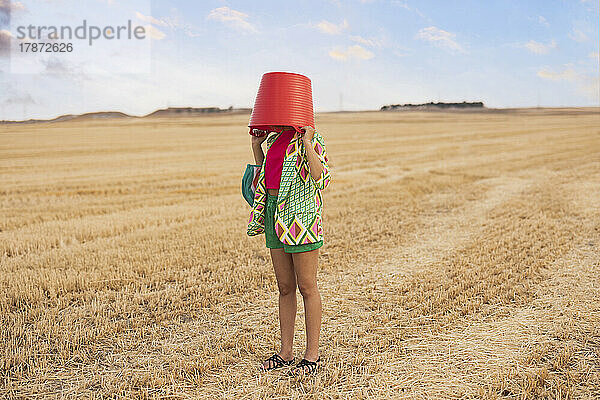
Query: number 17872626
{"points": [[46, 47]]}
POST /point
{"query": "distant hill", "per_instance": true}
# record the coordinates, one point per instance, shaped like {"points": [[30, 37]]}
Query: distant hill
{"points": [[166, 112], [190, 111], [431, 106], [70, 117], [103, 114]]}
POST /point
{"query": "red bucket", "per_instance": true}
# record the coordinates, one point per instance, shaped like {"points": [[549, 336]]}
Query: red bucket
{"points": [[284, 98]]}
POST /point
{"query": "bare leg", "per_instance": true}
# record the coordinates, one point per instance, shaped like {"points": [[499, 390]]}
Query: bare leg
{"points": [[286, 282], [306, 264]]}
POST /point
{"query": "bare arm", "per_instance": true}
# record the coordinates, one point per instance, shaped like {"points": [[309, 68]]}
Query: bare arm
{"points": [[316, 158], [314, 163], [259, 155]]}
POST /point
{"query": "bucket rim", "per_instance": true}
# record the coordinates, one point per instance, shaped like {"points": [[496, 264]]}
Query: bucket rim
{"points": [[287, 73]]}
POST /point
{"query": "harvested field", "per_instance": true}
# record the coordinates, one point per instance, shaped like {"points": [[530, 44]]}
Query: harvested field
{"points": [[461, 259]]}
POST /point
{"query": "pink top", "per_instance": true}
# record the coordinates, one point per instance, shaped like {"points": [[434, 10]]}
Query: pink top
{"points": [[275, 156]]}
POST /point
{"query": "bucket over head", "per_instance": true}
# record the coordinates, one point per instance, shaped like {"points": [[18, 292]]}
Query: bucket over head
{"points": [[283, 98]]}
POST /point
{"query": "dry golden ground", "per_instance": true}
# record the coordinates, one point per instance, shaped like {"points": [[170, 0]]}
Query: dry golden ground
{"points": [[461, 259]]}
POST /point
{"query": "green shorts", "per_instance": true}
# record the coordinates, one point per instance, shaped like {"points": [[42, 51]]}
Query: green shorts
{"points": [[273, 241]]}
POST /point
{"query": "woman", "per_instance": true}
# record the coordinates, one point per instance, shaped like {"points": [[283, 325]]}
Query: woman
{"points": [[287, 208]]}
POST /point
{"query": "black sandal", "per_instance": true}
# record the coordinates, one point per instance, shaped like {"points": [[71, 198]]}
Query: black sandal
{"points": [[275, 361], [308, 367]]}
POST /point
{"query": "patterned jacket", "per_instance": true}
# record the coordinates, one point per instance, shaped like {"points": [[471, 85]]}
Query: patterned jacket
{"points": [[299, 202]]}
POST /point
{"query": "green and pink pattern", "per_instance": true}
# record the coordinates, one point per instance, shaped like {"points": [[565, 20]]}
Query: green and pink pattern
{"points": [[299, 202]]}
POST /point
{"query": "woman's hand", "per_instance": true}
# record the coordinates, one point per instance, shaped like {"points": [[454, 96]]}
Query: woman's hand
{"points": [[258, 140], [259, 155], [315, 166], [308, 134]]}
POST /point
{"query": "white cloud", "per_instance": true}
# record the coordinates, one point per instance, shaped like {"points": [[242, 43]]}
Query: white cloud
{"points": [[331, 28], [594, 55], [20, 98], [7, 5], [365, 41], [154, 33], [5, 38], [578, 35], [543, 21], [404, 4], [233, 18], [173, 22], [150, 19], [586, 84], [401, 3], [355, 51], [567, 74], [440, 38], [540, 48]]}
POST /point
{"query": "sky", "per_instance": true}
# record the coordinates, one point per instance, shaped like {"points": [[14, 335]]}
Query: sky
{"points": [[359, 54]]}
